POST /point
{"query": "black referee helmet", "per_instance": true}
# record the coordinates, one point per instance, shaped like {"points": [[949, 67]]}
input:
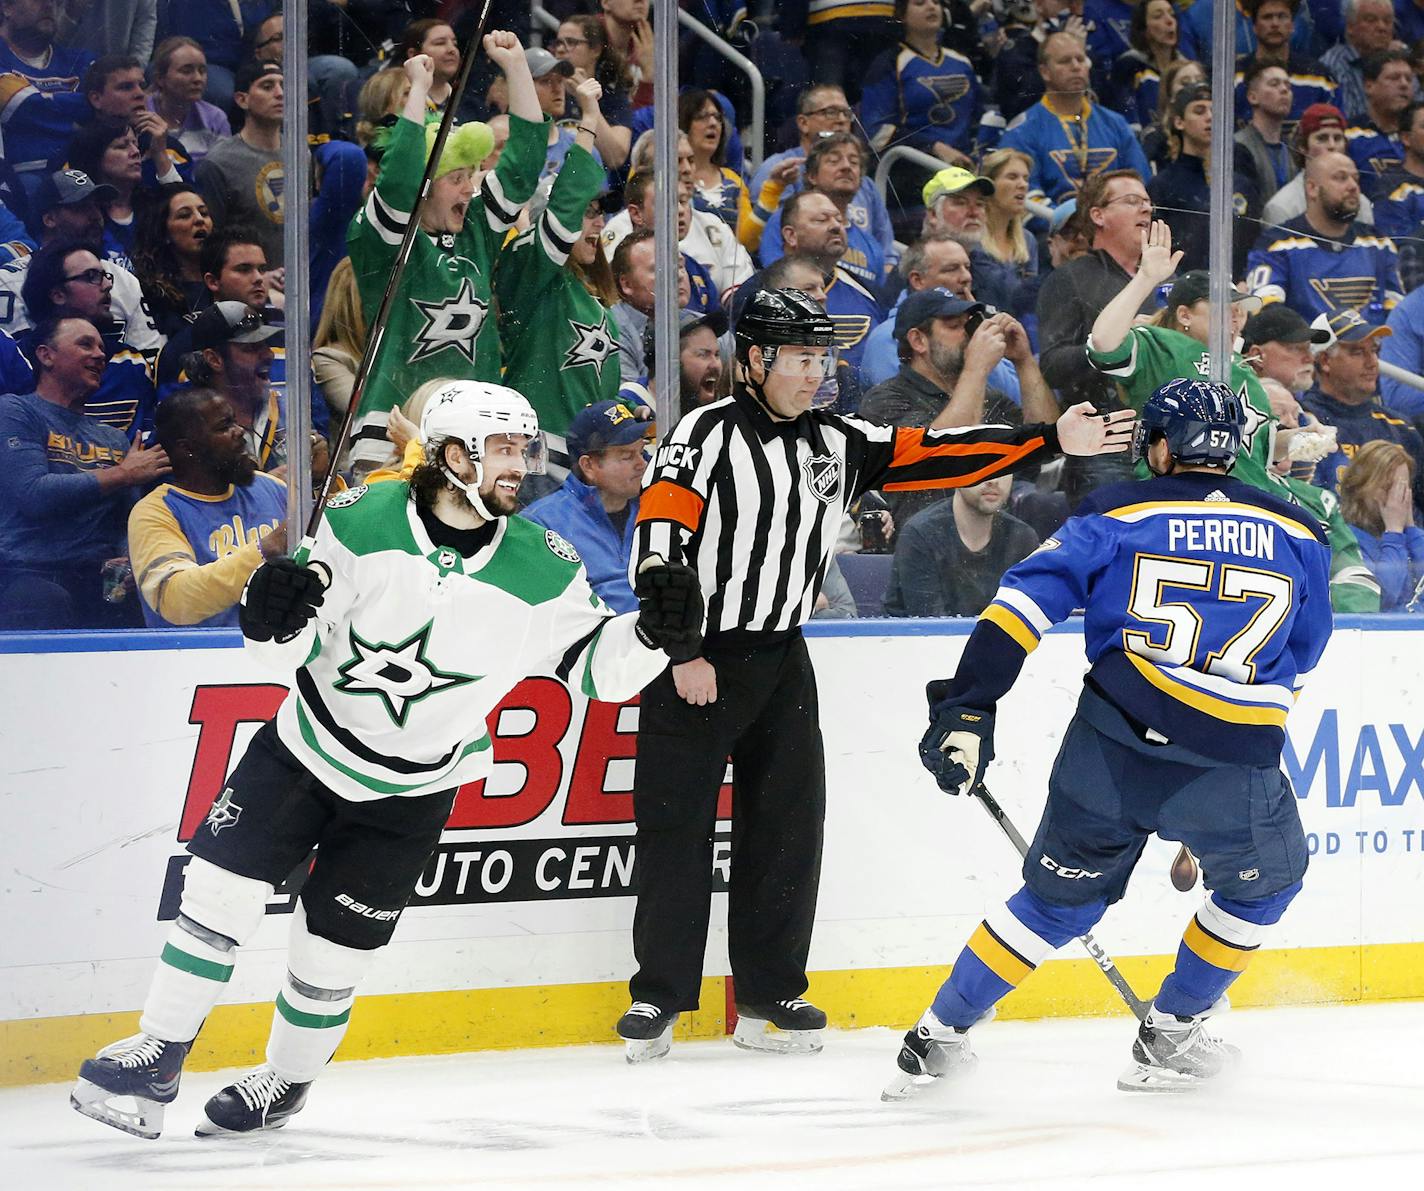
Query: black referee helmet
{"points": [[783, 318]]}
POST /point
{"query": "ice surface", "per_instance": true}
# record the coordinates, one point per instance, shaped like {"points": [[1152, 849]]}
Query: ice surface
{"points": [[1326, 1097]]}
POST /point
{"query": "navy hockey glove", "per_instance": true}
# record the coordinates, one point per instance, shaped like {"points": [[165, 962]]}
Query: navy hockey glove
{"points": [[958, 747], [280, 598], [669, 608]]}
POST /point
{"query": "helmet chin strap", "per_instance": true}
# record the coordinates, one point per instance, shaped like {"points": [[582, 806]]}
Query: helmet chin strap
{"points": [[471, 490]]}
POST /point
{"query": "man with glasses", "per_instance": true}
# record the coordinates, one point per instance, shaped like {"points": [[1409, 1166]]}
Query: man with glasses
{"points": [[821, 110], [67, 280]]}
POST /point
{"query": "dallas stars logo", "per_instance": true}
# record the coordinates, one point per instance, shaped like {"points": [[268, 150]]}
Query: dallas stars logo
{"points": [[399, 674], [455, 322], [592, 345]]}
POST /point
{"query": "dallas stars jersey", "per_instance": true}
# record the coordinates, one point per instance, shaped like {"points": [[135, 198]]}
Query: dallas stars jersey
{"points": [[415, 644], [438, 324], [1151, 356], [1067, 149], [560, 344], [913, 100], [1205, 609], [1313, 274]]}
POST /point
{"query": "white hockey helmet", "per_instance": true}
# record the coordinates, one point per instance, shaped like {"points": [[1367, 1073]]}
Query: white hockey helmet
{"points": [[469, 411]]}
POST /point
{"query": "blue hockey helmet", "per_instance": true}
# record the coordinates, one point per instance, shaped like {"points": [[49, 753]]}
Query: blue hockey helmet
{"points": [[1202, 422]]}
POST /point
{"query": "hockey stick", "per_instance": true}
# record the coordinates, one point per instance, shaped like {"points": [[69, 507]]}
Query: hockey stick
{"points": [[1100, 957], [412, 229]]}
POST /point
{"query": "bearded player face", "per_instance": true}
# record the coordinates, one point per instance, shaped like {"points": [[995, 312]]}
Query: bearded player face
{"points": [[504, 470]]}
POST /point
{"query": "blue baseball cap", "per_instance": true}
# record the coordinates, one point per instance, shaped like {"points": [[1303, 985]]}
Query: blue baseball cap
{"points": [[917, 309], [602, 425]]}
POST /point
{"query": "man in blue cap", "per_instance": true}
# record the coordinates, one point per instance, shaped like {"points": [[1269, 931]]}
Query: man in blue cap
{"points": [[597, 506]]}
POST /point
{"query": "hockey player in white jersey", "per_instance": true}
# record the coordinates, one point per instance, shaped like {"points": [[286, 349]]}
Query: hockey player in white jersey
{"points": [[419, 606]]}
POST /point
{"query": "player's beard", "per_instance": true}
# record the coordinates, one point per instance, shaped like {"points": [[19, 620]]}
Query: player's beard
{"points": [[499, 501]]}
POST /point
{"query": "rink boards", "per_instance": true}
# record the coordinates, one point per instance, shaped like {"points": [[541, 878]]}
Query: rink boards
{"points": [[519, 932]]}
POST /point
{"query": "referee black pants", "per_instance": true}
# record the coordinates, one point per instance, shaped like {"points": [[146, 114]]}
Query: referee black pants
{"points": [[767, 720]]}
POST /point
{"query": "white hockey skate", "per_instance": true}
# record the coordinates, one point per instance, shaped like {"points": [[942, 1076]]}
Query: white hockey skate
{"points": [[793, 1027], [1175, 1054], [646, 1030], [143, 1071], [932, 1054], [261, 1099]]}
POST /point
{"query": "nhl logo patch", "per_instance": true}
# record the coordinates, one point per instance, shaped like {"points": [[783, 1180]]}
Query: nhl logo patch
{"points": [[823, 475], [561, 547], [349, 497]]}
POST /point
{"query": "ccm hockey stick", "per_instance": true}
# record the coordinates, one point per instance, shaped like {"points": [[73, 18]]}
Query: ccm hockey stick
{"points": [[1104, 961], [383, 311]]}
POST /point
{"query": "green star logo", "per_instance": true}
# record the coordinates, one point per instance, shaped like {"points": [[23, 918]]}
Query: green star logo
{"points": [[399, 674]]}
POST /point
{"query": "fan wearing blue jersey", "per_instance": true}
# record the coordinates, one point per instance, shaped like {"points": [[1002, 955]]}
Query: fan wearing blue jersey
{"points": [[1207, 604]]}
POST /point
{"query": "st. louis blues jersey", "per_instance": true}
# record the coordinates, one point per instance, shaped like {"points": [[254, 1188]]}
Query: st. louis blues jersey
{"points": [[1376, 154], [40, 105], [1206, 606], [1315, 274], [913, 100], [1067, 149]]}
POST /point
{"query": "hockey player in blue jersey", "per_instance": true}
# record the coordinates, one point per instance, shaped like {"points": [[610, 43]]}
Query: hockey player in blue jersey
{"points": [[1207, 604]]}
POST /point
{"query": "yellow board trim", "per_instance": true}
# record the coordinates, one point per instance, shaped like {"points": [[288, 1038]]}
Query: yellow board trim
{"points": [[1012, 624], [48, 1050], [1007, 966], [1213, 951], [1220, 709]]}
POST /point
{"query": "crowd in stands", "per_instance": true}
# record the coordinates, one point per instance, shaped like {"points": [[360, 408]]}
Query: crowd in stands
{"points": [[1045, 243]]}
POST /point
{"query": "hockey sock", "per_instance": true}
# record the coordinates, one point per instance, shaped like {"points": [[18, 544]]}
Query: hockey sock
{"points": [[1009, 944], [314, 1004], [195, 966], [1216, 948]]}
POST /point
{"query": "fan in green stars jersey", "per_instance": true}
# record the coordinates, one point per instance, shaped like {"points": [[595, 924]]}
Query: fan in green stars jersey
{"points": [[439, 324], [1141, 358]]}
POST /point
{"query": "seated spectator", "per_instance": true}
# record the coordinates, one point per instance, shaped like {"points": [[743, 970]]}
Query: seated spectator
{"points": [[168, 248], [957, 201], [552, 78], [66, 280], [1181, 190], [719, 188], [1374, 139], [1261, 149], [219, 32], [1137, 73], [1012, 252], [812, 224], [821, 109], [948, 347], [631, 35], [699, 363], [633, 268], [1277, 342], [325, 72], [339, 340], [65, 492], [950, 557], [241, 177], [437, 41], [1156, 137], [107, 150], [596, 509], [553, 287], [1346, 396], [195, 540], [1369, 29], [1399, 212], [66, 206], [180, 77], [1273, 22], [922, 94], [935, 261], [834, 168], [1321, 130], [1101, 139], [39, 81], [1066, 238], [113, 87], [1326, 260], [582, 42], [1376, 497], [1404, 348], [230, 355]]}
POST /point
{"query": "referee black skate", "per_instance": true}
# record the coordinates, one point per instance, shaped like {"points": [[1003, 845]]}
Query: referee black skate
{"points": [[750, 491]]}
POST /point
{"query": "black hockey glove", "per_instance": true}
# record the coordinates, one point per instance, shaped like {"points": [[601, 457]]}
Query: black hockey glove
{"points": [[669, 608], [280, 598], [958, 746]]}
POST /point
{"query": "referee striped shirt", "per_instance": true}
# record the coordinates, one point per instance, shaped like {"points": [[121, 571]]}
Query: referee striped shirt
{"points": [[754, 505]]}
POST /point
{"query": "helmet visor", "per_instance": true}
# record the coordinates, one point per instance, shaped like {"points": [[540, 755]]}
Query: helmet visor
{"points": [[803, 363]]}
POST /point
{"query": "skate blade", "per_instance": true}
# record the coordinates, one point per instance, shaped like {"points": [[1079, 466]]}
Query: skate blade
{"points": [[754, 1034], [909, 1087], [645, 1050], [1142, 1078], [144, 1120], [208, 1128]]}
